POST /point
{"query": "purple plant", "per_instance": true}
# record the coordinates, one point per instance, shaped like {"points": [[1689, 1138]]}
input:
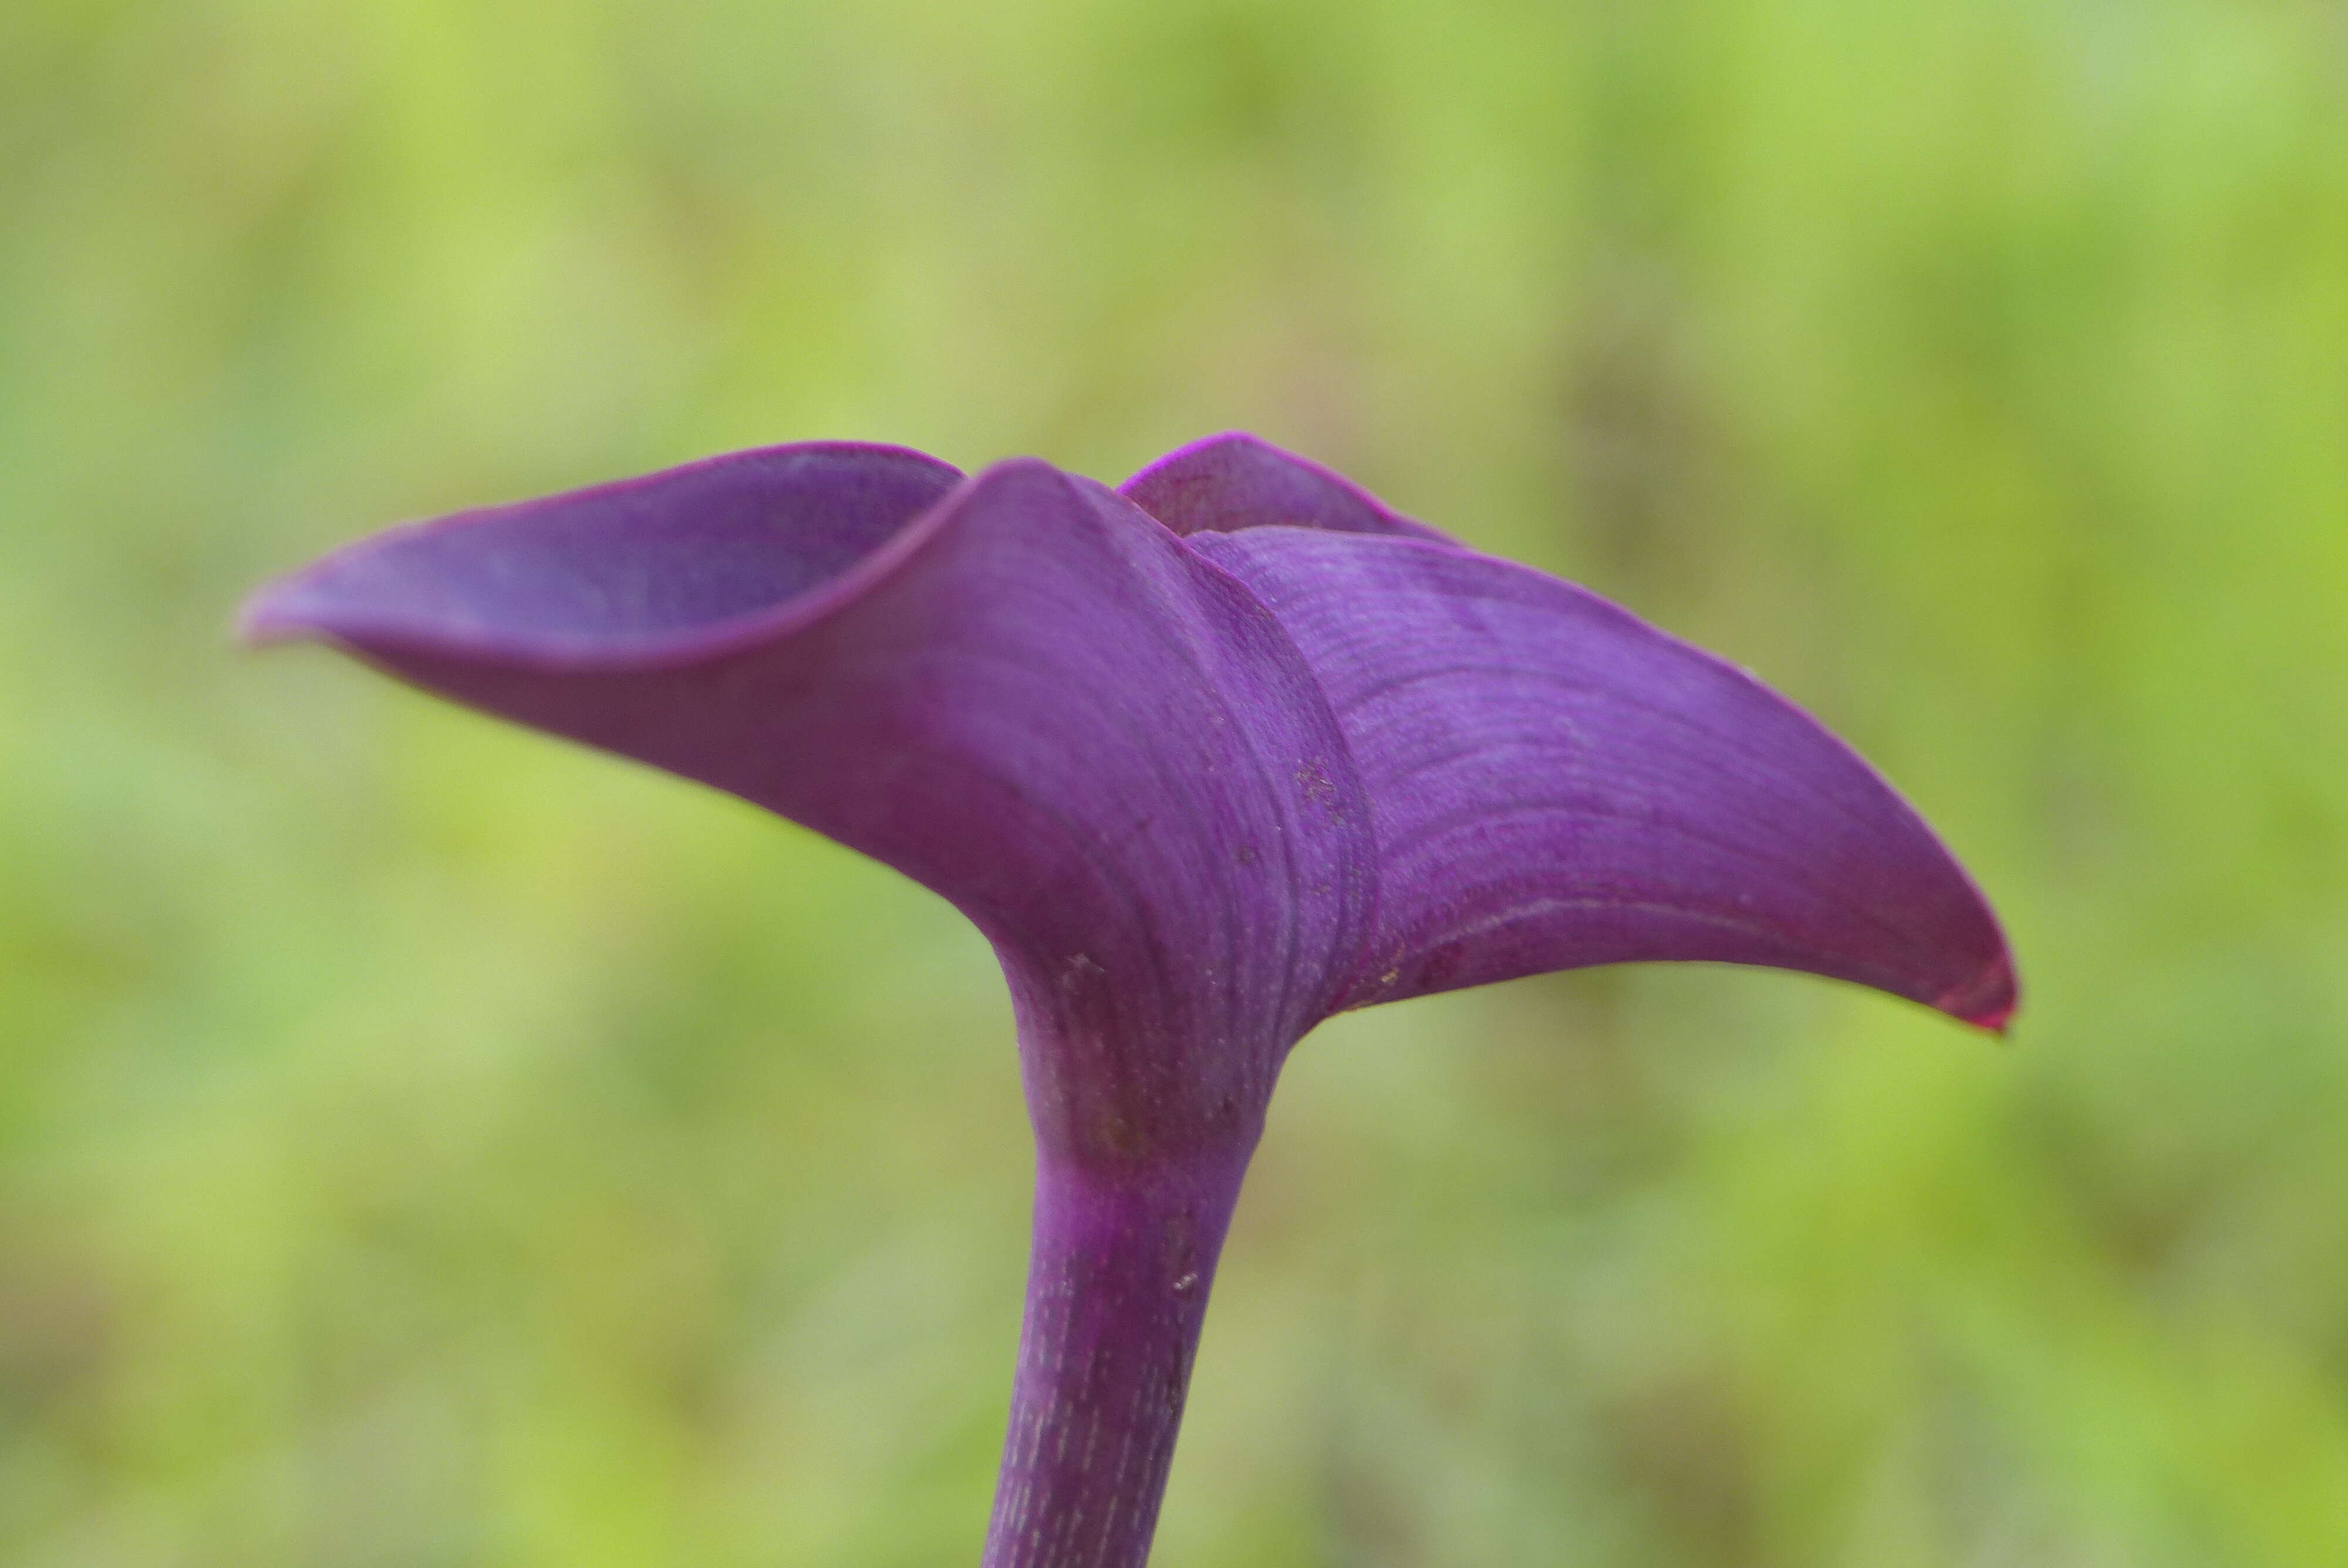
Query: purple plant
{"points": [[1208, 759]]}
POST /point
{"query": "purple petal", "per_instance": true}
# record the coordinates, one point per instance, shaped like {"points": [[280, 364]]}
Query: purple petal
{"points": [[1557, 784], [1018, 690], [1233, 481], [677, 560]]}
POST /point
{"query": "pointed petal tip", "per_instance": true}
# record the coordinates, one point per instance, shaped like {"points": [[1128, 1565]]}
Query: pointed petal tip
{"points": [[273, 614], [1988, 1001], [674, 565], [1561, 784], [324, 601]]}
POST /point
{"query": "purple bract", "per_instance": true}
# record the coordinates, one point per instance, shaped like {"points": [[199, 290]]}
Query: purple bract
{"points": [[1208, 759]]}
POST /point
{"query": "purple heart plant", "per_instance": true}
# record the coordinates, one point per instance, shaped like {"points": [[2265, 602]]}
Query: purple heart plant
{"points": [[1207, 758]]}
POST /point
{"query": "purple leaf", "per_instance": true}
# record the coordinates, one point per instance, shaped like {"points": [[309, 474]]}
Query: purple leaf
{"points": [[1025, 695], [619, 574], [1554, 782], [1018, 690], [1201, 784], [1232, 481]]}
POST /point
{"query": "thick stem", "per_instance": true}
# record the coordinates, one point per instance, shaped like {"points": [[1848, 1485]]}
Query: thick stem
{"points": [[1116, 1290]]}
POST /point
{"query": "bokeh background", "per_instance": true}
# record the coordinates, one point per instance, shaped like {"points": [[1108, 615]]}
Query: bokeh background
{"points": [[426, 1145]]}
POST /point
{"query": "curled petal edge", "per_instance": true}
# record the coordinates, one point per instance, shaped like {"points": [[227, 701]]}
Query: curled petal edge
{"points": [[1224, 483], [1017, 688], [1556, 783]]}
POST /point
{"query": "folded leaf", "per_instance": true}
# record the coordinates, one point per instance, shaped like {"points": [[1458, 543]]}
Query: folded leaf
{"points": [[1232, 481], [1201, 784], [1015, 689], [1555, 784]]}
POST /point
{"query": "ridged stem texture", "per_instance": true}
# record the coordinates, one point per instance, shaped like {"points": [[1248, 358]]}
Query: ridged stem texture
{"points": [[1116, 1292], [1207, 758]]}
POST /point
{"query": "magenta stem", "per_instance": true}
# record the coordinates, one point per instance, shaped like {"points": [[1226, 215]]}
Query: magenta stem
{"points": [[1116, 1291]]}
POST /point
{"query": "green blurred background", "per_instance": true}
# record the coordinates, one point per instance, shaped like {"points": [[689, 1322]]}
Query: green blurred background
{"points": [[424, 1144]]}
